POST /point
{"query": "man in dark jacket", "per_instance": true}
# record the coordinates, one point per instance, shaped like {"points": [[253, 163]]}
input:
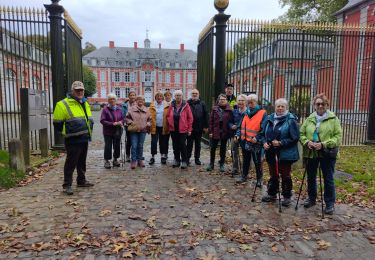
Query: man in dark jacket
{"points": [[200, 125]]}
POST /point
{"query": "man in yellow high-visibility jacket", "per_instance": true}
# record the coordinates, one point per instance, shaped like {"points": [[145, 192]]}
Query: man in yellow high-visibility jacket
{"points": [[72, 117]]}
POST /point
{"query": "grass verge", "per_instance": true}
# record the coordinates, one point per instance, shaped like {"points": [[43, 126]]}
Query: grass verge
{"points": [[358, 161]]}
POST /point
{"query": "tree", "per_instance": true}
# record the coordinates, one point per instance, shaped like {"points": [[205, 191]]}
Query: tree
{"points": [[89, 80], [311, 10], [89, 47]]}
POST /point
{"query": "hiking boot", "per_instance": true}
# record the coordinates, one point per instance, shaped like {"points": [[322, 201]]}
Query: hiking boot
{"points": [[127, 158], [222, 168], [329, 210], [241, 180], [68, 190], [286, 202], [198, 162], [176, 164], [116, 163], [309, 203], [163, 160], [188, 162], [234, 172], [210, 167], [133, 165], [107, 164], [85, 184], [269, 198], [152, 161], [183, 165], [259, 183], [141, 164]]}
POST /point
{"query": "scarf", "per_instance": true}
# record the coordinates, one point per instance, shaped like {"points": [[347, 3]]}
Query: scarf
{"points": [[278, 118], [115, 107], [250, 112], [319, 119]]}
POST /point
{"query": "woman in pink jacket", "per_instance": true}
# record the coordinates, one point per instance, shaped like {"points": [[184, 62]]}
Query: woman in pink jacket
{"points": [[138, 120], [180, 121]]}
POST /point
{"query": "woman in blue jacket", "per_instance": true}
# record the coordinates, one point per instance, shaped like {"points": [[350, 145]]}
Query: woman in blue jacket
{"points": [[280, 137]]}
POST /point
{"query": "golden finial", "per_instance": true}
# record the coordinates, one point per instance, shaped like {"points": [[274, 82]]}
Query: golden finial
{"points": [[38, 12], [34, 11], [8, 10], [12, 10]]}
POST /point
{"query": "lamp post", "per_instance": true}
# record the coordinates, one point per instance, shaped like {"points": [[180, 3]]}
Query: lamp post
{"points": [[317, 65], [220, 26], [289, 83]]}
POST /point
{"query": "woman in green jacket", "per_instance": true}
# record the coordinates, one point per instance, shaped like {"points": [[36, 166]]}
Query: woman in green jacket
{"points": [[321, 135]]}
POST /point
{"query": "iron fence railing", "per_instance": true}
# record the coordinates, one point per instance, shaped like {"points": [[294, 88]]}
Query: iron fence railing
{"points": [[298, 61], [25, 62]]}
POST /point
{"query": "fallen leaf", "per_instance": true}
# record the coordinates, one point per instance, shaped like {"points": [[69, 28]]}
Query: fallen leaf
{"points": [[306, 237], [124, 234], [128, 254], [185, 223], [105, 212], [208, 257], [78, 238], [246, 247], [118, 247], [371, 239], [151, 222], [231, 250], [172, 241], [274, 249], [323, 245]]}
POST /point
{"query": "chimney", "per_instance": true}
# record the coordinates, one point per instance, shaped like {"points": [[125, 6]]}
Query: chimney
{"points": [[159, 46], [135, 45], [111, 44], [182, 47]]}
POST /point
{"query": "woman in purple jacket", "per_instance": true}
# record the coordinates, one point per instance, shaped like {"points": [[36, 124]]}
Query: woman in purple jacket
{"points": [[220, 125], [112, 120]]}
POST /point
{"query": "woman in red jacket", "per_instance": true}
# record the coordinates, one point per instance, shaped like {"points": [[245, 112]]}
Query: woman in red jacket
{"points": [[180, 121]]}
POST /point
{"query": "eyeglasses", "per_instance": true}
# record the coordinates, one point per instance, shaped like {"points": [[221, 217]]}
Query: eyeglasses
{"points": [[79, 90], [319, 104], [222, 99], [194, 93]]}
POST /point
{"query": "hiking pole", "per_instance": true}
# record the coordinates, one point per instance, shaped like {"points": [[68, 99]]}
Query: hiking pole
{"points": [[320, 173], [278, 178], [255, 188], [321, 187], [232, 140], [239, 160], [300, 188]]}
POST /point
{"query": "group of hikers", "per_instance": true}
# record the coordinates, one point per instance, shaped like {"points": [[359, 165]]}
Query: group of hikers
{"points": [[239, 120]]}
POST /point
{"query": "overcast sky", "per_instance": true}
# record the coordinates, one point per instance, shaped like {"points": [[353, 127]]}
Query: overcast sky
{"points": [[170, 22]]}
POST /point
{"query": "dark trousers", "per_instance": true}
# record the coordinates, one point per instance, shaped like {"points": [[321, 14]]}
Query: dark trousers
{"points": [[75, 158], [110, 141], [328, 168], [163, 144], [286, 180], [128, 143], [195, 138], [257, 159], [223, 149], [179, 146]]}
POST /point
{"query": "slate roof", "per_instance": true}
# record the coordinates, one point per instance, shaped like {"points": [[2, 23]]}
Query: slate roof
{"points": [[131, 57], [351, 4], [288, 46]]}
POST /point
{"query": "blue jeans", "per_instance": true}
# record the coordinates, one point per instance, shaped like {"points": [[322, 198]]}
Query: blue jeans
{"points": [[328, 169], [137, 140]]}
